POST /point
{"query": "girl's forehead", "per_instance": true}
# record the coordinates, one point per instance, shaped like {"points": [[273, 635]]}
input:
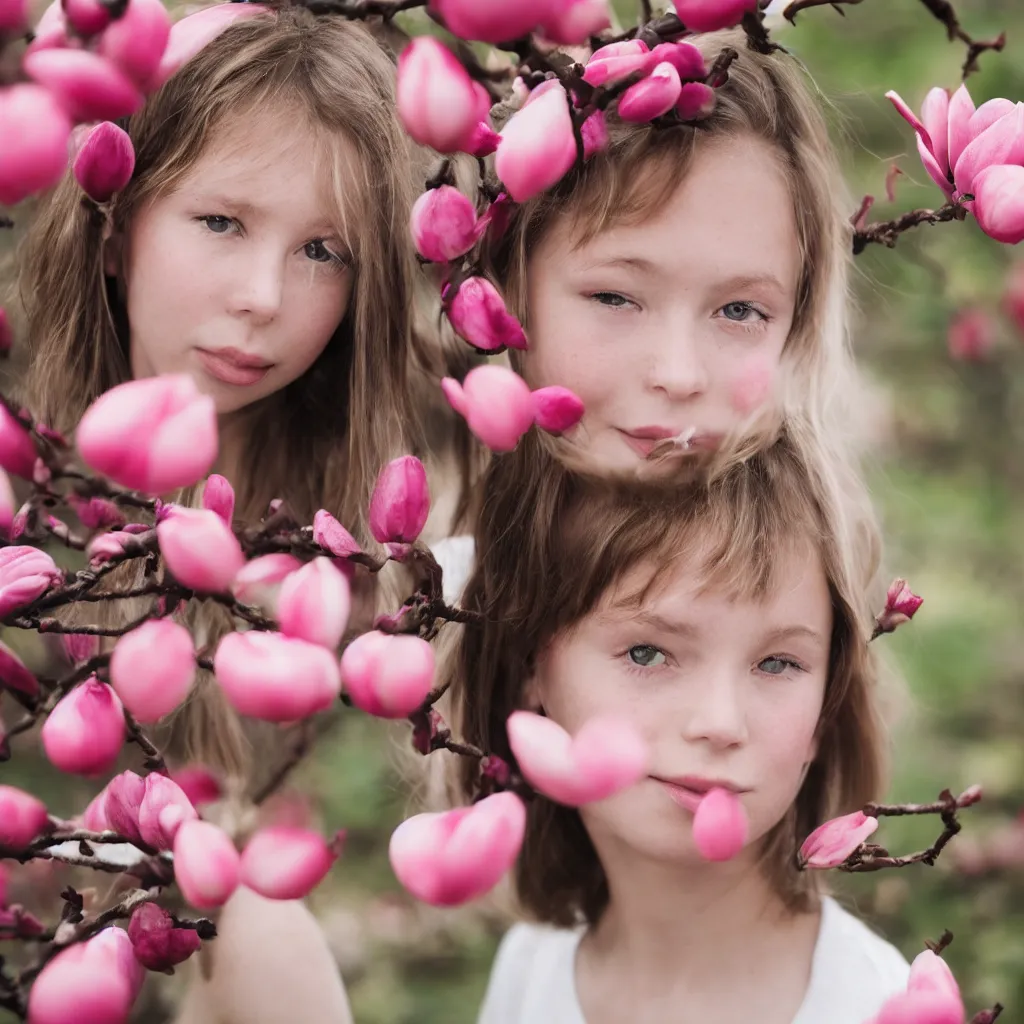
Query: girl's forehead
{"points": [[278, 151]]}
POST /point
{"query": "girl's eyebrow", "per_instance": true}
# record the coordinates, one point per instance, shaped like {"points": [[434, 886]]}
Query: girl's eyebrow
{"points": [[321, 229], [744, 281], [637, 263], [796, 633], [643, 617]]}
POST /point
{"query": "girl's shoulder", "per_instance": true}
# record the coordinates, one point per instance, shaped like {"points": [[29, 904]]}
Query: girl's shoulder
{"points": [[533, 978], [854, 971]]}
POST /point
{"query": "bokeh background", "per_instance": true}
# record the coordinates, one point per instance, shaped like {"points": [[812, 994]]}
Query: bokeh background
{"points": [[948, 476]]}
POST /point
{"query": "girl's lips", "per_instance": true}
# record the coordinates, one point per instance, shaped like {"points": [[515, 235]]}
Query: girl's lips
{"points": [[687, 798], [232, 371]]}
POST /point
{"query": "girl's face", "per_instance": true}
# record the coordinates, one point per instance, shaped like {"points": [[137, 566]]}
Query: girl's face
{"points": [[674, 326], [238, 277], [725, 692]]}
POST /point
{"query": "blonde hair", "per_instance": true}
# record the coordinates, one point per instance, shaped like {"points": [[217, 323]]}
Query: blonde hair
{"points": [[300, 445], [771, 98], [321, 441], [552, 543]]}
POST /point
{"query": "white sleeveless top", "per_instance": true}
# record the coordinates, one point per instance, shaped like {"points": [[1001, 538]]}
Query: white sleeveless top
{"points": [[852, 973]]}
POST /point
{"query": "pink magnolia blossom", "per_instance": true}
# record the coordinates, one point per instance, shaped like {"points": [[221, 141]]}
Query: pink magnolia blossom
{"points": [[136, 41], [616, 61], [200, 549], [206, 864], [85, 731], [96, 513], [13, 16], [606, 756], [439, 104], [974, 154], [684, 57], [556, 409], [494, 21], [652, 97], [576, 21], [86, 17], [499, 407], [332, 536], [91, 982], [154, 435], [104, 162], [720, 825], [117, 806], [696, 101], [17, 452], [400, 501], [33, 116], [88, 86], [712, 15], [259, 582], [971, 335], [496, 404], [22, 817], [999, 202], [106, 547], [444, 224], [932, 996], [79, 648], [283, 863], [219, 497], [830, 844], [478, 314], [194, 31], [314, 604], [151, 687], [158, 944], [14, 675], [199, 784], [538, 146], [388, 675], [450, 858], [164, 808], [25, 574], [901, 605], [276, 678]]}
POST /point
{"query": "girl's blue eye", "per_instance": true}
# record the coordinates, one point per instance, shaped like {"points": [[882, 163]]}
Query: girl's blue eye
{"points": [[739, 312], [777, 666], [645, 655], [217, 224], [612, 299], [319, 253]]}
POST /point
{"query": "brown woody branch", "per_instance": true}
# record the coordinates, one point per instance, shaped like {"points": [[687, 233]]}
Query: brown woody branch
{"points": [[887, 232], [870, 857]]}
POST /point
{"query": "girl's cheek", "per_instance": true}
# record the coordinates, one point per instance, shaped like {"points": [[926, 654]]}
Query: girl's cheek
{"points": [[753, 385]]}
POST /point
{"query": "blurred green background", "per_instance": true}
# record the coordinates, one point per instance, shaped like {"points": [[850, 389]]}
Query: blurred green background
{"points": [[948, 477]]}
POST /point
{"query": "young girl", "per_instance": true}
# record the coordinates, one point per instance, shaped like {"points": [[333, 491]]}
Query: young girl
{"points": [[260, 246], [721, 620], [692, 283]]}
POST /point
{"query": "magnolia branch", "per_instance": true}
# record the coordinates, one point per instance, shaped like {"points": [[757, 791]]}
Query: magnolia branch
{"points": [[869, 857], [887, 232], [941, 9], [71, 931]]}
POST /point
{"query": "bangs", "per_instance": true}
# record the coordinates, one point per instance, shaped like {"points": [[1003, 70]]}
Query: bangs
{"points": [[733, 534]]}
